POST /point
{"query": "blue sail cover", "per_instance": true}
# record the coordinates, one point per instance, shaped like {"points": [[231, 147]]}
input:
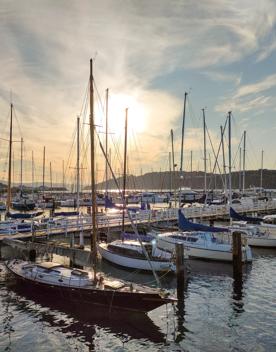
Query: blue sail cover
{"points": [[24, 215], [185, 225], [237, 216]]}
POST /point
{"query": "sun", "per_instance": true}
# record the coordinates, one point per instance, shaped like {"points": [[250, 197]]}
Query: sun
{"points": [[117, 106]]}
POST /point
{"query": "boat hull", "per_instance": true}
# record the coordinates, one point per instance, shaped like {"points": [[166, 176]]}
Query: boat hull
{"points": [[133, 263], [110, 299], [205, 253], [266, 242]]}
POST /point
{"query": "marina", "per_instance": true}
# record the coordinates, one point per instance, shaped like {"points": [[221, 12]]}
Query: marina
{"points": [[137, 176]]}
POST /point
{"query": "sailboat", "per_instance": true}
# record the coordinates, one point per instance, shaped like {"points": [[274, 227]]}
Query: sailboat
{"points": [[261, 232], [202, 241], [91, 288]]}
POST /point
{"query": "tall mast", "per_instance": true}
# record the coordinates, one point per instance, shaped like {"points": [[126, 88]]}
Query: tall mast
{"points": [[92, 156], [243, 173], [240, 161], [182, 135], [43, 173], [223, 160], [51, 180], [78, 164], [21, 166], [230, 158], [170, 168], [63, 178], [191, 169], [173, 167], [32, 174], [205, 159], [262, 165], [124, 175], [106, 141], [9, 174]]}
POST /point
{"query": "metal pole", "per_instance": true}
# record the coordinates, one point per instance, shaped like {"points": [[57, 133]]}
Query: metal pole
{"points": [[262, 165], [223, 160], [92, 155], [21, 166], [124, 174], [9, 174], [78, 164], [43, 173], [106, 141], [205, 159], [182, 135], [191, 169], [244, 144], [173, 168], [230, 158]]}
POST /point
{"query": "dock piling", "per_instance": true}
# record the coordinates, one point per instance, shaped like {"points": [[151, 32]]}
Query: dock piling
{"points": [[179, 250], [237, 254]]}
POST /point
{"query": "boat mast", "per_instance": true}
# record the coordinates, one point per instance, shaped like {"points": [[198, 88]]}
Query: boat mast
{"points": [[240, 169], [182, 134], [21, 166], [173, 168], [92, 156], [51, 181], [262, 165], [243, 173], [223, 160], [124, 175], [205, 159], [191, 169], [230, 158], [32, 174], [78, 164], [106, 141], [9, 174], [170, 168], [43, 173]]}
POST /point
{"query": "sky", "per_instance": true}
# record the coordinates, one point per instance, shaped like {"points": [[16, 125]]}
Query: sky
{"points": [[148, 53]]}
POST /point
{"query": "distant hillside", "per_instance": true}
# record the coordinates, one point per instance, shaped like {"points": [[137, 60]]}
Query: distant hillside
{"points": [[162, 180]]}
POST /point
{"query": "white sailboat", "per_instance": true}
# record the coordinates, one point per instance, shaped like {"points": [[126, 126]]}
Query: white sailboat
{"points": [[130, 254], [202, 245]]}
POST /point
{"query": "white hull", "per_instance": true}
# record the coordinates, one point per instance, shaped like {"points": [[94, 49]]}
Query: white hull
{"points": [[255, 241], [222, 253], [133, 263]]}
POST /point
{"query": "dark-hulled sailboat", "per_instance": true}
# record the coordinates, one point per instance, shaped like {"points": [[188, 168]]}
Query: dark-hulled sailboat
{"points": [[89, 287]]}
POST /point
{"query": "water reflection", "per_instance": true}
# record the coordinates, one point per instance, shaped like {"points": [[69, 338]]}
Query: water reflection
{"points": [[75, 320]]}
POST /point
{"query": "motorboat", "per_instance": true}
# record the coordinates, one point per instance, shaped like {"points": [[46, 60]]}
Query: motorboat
{"points": [[202, 245], [131, 254], [79, 285]]}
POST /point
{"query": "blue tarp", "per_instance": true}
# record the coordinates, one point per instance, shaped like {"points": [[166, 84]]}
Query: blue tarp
{"points": [[185, 225], [237, 216]]}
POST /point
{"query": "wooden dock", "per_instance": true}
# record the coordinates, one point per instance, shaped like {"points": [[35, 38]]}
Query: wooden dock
{"points": [[106, 222]]}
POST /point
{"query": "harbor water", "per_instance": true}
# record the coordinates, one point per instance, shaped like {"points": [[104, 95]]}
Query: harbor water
{"points": [[218, 314]]}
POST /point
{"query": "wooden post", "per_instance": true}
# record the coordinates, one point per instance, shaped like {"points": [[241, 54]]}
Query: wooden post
{"points": [[237, 254], [179, 250], [32, 255]]}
